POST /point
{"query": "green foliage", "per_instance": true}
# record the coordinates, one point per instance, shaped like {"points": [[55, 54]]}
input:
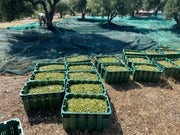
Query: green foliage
{"points": [[49, 76], [83, 76], [146, 67], [176, 62], [15, 9], [45, 89], [80, 67], [139, 60], [110, 8], [62, 7], [87, 105], [171, 10], [86, 88], [108, 59], [166, 63], [152, 4], [79, 6], [116, 68], [51, 67], [77, 58], [134, 5]]}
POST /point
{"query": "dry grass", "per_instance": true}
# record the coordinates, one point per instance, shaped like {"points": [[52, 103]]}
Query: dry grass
{"points": [[22, 22], [138, 108]]}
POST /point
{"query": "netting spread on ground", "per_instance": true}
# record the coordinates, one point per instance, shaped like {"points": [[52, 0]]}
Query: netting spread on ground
{"points": [[22, 46]]}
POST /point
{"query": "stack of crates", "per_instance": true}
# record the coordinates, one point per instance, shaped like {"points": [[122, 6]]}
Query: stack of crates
{"points": [[83, 84], [46, 87], [54, 85], [141, 65], [111, 69], [151, 70]]}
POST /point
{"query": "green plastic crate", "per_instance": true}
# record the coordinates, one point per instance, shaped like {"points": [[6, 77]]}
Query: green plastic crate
{"points": [[74, 82], [88, 59], [177, 49], [163, 48], [173, 60], [11, 127], [79, 64], [42, 101], [98, 63], [91, 72], [153, 54], [131, 52], [115, 76], [38, 65], [83, 121], [32, 77], [168, 71], [129, 63], [146, 75], [170, 55]]}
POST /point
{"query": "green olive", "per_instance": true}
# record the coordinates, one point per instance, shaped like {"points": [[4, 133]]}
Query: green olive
{"points": [[88, 105], [51, 67], [49, 76], [45, 89], [116, 68], [86, 88]]}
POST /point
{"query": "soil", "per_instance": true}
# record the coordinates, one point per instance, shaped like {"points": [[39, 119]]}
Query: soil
{"points": [[137, 108], [22, 22]]}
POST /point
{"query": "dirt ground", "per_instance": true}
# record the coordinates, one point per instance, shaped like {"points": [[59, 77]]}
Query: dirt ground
{"points": [[137, 109], [22, 22]]}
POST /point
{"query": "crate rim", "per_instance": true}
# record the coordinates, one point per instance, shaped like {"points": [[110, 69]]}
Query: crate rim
{"points": [[102, 56], [87, 60], [159, 68], [86, 113], [39, 94], [120, 64], [86, 81]]}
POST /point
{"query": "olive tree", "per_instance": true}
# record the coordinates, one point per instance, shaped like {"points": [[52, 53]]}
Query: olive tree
{"points": [[109, 8], [16, 9]]}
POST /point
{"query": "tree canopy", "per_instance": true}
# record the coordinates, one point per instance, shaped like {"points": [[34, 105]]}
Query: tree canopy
{"points": [[62, 7], [110, 8], [16, 9], [79, 6], [172, 10]]}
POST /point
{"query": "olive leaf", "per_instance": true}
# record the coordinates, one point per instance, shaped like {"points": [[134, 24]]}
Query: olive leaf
{"points": [[51, 67], [49, 76], [86, 88], [108, 59], [86, 105], [44, 89], [116, 68]]}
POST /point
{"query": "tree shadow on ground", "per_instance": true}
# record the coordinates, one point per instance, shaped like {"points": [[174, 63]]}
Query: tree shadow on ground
{"points": [[113, 128], [126, 86], [172, 29], [146, 18], [42, 45], [162, 83], [91, 20], [118, 27], [50, 116]]}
